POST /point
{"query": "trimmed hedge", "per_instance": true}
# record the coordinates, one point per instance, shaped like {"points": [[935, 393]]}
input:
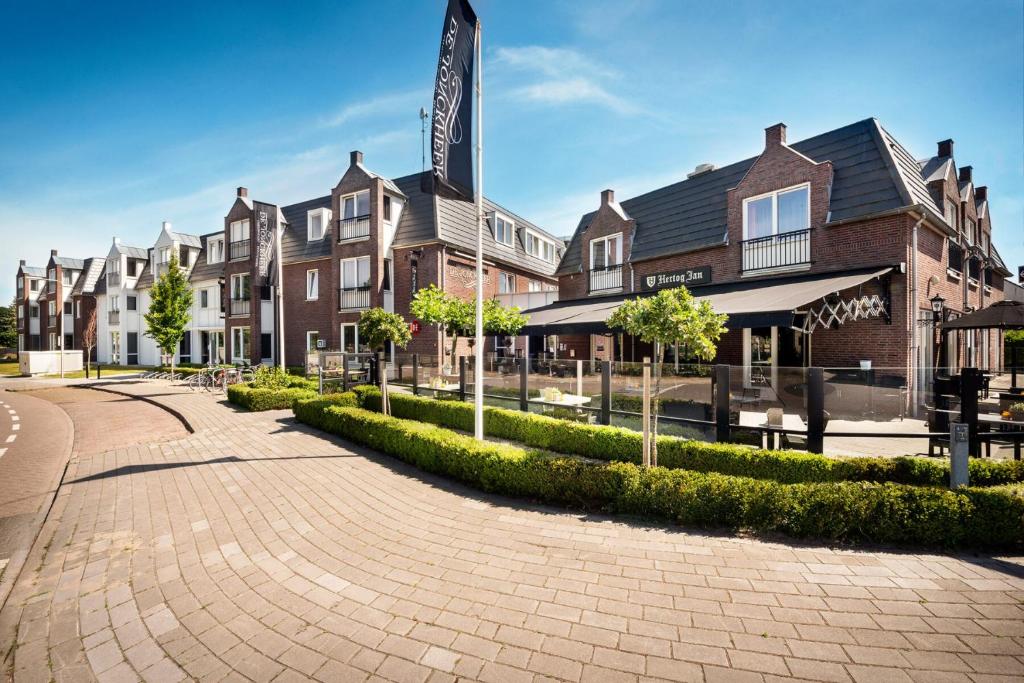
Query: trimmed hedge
{"points": [[839, 511], [623, 445], [266, 399]]}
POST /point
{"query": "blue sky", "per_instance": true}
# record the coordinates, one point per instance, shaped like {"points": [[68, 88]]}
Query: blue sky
{"points": [[118, 116]]}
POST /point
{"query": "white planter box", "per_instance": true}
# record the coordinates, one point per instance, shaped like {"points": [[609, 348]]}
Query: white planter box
{"points": [[48, 362]]}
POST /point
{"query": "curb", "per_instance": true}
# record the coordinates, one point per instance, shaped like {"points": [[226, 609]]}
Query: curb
{"points": [[176, 413]]}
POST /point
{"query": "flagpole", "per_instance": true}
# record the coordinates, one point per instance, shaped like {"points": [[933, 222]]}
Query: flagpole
{"points": [[280, 295], [478, 367]]}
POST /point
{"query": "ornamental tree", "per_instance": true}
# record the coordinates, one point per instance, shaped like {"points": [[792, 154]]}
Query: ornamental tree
{"points": [[671, 316], [454, 315], [169, 309], [379, 327]]}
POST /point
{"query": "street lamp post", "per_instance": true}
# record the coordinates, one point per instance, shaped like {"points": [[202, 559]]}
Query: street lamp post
{"points": [[938, 306]]}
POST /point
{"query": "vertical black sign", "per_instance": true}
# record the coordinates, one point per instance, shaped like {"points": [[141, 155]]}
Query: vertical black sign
{"points": [[266, 224], [451, 148]]}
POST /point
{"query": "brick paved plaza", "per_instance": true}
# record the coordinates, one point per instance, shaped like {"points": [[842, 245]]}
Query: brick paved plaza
{"points": [[257, 549]]}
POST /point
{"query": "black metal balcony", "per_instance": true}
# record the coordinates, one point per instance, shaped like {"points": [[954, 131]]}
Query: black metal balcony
{"points": [[783, 250], [609, 277], [353, 228], [240, 307], [238, 249], [354, 297]]}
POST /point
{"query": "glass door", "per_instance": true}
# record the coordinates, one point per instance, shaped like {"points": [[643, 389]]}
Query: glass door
{"points": [[760, 351]]}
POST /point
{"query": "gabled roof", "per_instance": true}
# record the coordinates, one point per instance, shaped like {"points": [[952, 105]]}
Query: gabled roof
{"points": [[132, 252], [998, 263], [966, 187], [69, 263], [935, 168], [86, 283], [389, 184], [872, 173], [428, 217], [187, 239], [201, 270], [33, 271]]}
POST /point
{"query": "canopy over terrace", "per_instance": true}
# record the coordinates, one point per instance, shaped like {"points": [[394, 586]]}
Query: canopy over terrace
{"points": [[815, 298], [1002, 315]]}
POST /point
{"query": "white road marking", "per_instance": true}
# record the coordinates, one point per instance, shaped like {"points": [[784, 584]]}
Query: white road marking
{"points": [[2, 451], [15, 427], [14, 418], [11, 438], [12, 411]]}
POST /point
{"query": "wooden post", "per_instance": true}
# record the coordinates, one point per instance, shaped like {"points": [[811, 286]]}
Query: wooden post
{"points": [[415, 374], [462, 378], [647, 413], [524, 395], [722, 403], [344, 371], [320, 380], [815, 410], [606, 392], [579, 377]]}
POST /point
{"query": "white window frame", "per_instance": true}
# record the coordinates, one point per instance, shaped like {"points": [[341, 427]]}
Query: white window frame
{"points": [[78, 309], [774, 194], [242, 230], [325, 218], [312, 347], [604, 242], [243, 290], [537, 244], [52, 309], [313, 293], [67, 276], [506, 283], [215, 250], [242, 331], [341, 338], [354, 196], [114, 303], [356, 261], [21, 312], [204, 293], [33, 285], [511, 229]]}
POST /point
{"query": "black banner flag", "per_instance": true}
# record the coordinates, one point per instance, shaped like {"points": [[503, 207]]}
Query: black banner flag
{"points": [[451, 134], [265, 229]]}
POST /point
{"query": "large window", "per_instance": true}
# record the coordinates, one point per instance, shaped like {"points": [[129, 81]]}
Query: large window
{"points": [[506, 283], [238, 233], [33, 285], [68, 276], [316, 224], [312, 285], [239, 343], [165, 255], [504, 230], [240, 287], [312, 337], [33, 311], [355, 272], [355, 205], [239, 230], [215, 250], [540, 247], [133, 267], [606, 251], [778, 212], [350, 338]]}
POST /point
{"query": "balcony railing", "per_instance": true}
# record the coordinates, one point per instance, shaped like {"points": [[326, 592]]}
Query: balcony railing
{"points": [[609, 277], [353, 228], [238, 249], [240, 307], [783, 250], [113, 279], [354, 297], [114, 317]]}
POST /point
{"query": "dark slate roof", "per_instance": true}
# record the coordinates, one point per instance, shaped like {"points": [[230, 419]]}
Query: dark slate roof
{"points": [[201, 270], [998, 263], [133, 252], [935, 168], [187, 239], [70, 263], [86, 283], [427, 217], [872, 173], [33, 271], [294, 245]]}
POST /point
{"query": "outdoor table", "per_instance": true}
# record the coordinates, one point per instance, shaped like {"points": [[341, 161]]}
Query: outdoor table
{"points": [[567, 400], [990, 419], [443, 387], [790, 422]]}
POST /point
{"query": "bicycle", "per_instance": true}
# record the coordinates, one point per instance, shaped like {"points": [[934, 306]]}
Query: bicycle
{"points": [[202, 380]]}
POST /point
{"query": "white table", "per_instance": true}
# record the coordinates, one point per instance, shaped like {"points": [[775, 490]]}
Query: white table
{"points": [[443, 387], [753, 418], [567, 400]]}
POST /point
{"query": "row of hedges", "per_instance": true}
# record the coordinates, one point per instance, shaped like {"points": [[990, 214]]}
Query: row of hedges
{"points": [[840, 511], [623, 445], [256, 399]]}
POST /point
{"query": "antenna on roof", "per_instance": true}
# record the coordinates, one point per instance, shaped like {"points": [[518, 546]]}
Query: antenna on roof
{"points": [[423, 138]]}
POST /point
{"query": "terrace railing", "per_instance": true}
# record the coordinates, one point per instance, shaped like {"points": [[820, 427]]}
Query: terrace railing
{"points": [[609, 277], [777, 251], [353, 228]]}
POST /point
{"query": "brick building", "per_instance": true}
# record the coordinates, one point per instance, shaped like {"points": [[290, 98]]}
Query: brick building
{"points": [[825, 251]]}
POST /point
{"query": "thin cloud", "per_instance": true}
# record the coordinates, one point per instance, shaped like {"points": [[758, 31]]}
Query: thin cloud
{"points": [[400, 103]]}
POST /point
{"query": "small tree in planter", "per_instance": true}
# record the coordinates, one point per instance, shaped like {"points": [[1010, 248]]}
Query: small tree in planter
{"points": [[169, 306], [669, 316], [502, 322], [378, 327]]}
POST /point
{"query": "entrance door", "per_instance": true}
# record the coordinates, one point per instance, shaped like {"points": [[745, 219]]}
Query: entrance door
{"points": [[204, 345], [132, 352], [214, 347], [760, 356]]}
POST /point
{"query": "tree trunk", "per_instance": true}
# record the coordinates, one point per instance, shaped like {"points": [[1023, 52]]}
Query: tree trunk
{"points": [[455, 348]]}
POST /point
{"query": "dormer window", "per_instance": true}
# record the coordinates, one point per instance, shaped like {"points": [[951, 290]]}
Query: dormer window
{"points": [[33, 285], [540, 247], [504, 230], [606, 252], [215, 250], [165, 255], [133, 267], [183, 256], [316, 224], [67, 276], [777, 212], [951, 213]]}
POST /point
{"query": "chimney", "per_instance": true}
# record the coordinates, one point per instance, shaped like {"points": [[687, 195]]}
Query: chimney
{"points": [[53, 252], [166, 226], [775, 135], [981, 193], [355, 157], [243, 192], [21, 262], [946, 148], [966, 174], [607, 197], [117, 240]]}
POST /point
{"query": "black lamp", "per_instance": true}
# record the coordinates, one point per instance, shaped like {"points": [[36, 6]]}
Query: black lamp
{"points": [[938, 304]]}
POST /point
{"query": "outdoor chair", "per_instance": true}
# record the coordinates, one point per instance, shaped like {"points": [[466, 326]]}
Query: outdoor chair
{"points": [[938, 421]]}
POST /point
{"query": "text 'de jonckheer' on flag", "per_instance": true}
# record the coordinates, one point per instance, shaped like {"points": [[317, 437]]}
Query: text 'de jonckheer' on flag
{"points": [[451, 148]]}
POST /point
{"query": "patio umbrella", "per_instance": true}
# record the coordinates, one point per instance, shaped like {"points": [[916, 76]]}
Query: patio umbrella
{"points": [[1003, 315]]}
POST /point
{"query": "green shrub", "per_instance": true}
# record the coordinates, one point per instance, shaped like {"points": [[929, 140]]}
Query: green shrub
{"points": [[624, 445], [256, 399], [840, 511]]}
